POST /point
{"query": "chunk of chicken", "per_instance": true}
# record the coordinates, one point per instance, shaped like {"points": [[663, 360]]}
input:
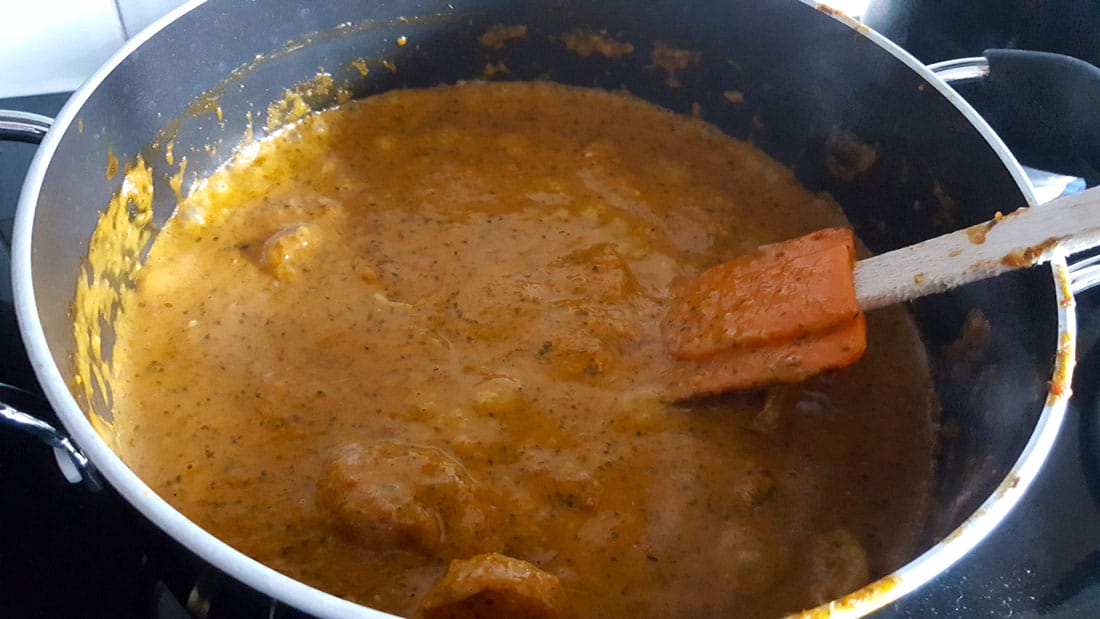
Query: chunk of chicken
{"points": [[491, 586], [397, 496], [286, 251], [838, 565], [747, 560], [754, 487]]}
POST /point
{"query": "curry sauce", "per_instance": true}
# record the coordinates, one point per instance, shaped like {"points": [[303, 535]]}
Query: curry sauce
{"points": [[410, 347]]}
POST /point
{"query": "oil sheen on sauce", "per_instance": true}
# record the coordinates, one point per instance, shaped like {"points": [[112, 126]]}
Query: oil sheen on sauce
{"points": [[423, 326]]}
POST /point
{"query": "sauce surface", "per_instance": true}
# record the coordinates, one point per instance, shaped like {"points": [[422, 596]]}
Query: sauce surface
{"points": [[424, 326]]}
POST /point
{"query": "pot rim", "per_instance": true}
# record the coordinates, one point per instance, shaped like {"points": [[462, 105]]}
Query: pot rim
{"points": [[945, 553], [304, 597]]}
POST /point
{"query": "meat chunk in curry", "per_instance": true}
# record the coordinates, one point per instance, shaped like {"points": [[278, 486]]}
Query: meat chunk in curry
{"points": [[398, 496], [493, 586], [408, 350]]}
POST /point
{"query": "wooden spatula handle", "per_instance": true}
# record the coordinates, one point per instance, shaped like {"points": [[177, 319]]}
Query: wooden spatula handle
{"points": [[1023, 238]]}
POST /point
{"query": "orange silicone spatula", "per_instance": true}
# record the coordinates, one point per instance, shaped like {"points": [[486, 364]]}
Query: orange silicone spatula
{"points": [[794, 309]]}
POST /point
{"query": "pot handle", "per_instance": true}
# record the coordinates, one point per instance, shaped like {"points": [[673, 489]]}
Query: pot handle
{"points": [[1045, 104], [74, 465], [1084, 274], [30, 128], [23, 126]]}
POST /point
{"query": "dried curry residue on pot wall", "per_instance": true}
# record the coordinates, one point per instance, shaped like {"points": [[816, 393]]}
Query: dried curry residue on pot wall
{"points": [[423, 327], [104, 288]]}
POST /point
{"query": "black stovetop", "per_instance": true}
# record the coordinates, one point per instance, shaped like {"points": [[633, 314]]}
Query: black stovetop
{"points": [[65, 552]]}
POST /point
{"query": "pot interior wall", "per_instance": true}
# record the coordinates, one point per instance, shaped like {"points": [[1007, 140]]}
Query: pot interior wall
{"points": [[812, 87]]}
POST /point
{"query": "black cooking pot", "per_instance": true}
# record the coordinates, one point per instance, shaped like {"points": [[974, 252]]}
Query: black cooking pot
{"points": [[812, 81]]}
